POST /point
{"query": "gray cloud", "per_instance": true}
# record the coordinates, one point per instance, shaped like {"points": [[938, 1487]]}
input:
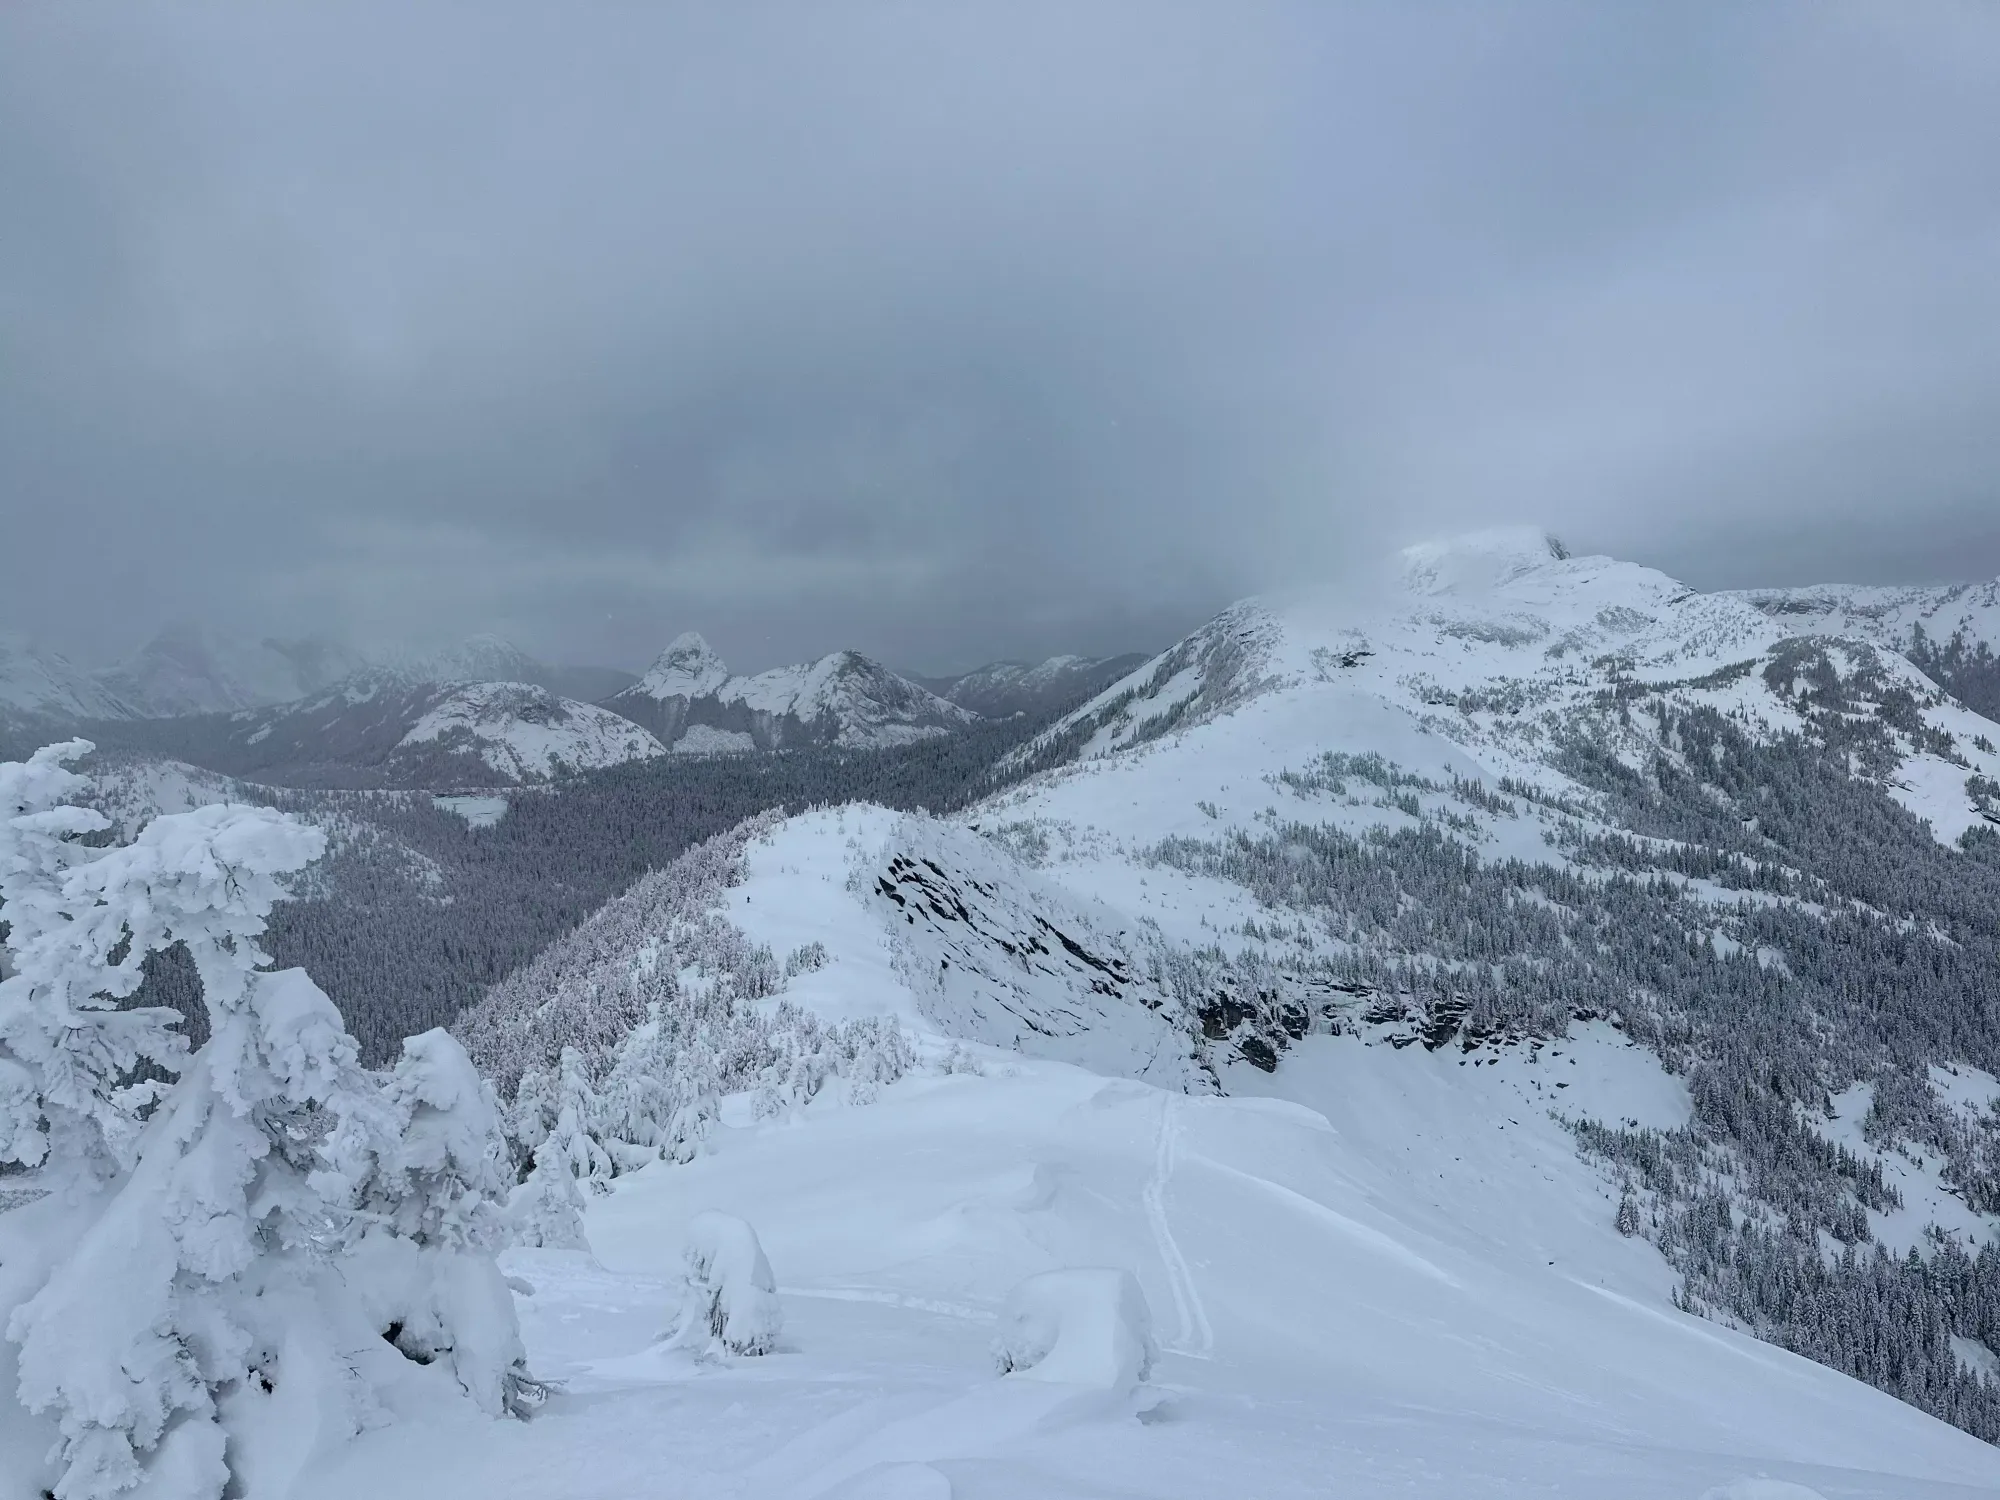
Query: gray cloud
{"points": [[951, 332]]}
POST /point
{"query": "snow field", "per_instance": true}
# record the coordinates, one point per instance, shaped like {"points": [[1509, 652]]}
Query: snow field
{"points": [[1373, 1265]]}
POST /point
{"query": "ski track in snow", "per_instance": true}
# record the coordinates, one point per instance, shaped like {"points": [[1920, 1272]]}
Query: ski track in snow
{"points": [[1197, 1340]]}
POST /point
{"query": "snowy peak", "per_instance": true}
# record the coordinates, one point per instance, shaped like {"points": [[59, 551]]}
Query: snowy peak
{"points": [[527, 733], [1477, 561], [1494, 618], [38, 683], [688, 668], [378, 728], [690, 702], [1222, 664], [190, 669], [844, 699]]}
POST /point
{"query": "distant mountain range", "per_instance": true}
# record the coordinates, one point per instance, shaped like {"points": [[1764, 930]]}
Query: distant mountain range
{"points": [[1002, 689], [483, 713], [189, 668], [693, 704]]}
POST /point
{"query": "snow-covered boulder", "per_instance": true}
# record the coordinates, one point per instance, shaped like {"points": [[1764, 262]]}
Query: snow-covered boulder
{"points": [[1087, 1326], [731, 1301]]}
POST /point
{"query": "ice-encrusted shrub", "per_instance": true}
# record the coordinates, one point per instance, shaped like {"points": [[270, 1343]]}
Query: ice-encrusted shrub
{"points": [[729, 1302]]}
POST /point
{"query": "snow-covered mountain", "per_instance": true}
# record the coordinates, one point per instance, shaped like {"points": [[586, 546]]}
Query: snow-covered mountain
{"points": [[1887, 615], [42, 685], [383, 728], [1002, 689], [1493, 647], [1518, 1026], [1437, 995], [692, 703], [189, 668], [526, 733]]}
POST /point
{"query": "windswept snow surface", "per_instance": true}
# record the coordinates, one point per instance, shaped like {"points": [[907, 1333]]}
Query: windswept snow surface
{"points": [[1392, 1288], [1376, 1272]]}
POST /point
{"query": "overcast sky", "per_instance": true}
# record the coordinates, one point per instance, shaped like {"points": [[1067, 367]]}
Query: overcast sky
{"points": [[951, 332]]}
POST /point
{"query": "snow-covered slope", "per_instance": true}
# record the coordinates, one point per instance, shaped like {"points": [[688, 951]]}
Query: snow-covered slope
{"points": [[1470, 658], [527, 733], [1887, 615], [689, 700], [1390, 859], [42, 685], [1289, 985], [1002, 689], [1328, 1325], [1378, 1271]]}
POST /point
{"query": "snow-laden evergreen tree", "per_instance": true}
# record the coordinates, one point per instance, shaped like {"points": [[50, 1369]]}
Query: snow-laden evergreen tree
{"points": [[213, 1278], [546, 1210], [575, 1132], [531, 1116], [429, 1192], [68, 1055], [1628, 1222], [659, 1099]]}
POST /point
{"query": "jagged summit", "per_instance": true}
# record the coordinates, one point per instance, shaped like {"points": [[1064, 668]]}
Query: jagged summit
{"points": [[688, 668], [691, 702]]}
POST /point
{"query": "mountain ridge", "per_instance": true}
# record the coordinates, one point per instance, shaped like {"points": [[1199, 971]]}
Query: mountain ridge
{"points": [[693, 704]]}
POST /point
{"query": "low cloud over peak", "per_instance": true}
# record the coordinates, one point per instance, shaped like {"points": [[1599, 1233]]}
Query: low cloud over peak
{"points": [[982, 331]]}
